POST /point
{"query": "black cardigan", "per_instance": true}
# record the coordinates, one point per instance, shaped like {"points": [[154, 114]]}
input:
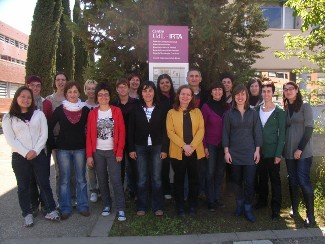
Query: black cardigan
{"points": [[139, 128]]}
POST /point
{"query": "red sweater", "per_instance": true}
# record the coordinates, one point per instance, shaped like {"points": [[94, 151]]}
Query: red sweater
{"points": [[119, 132]]}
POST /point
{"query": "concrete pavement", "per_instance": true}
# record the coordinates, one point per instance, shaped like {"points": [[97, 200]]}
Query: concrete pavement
{"points": [[95, 229]]}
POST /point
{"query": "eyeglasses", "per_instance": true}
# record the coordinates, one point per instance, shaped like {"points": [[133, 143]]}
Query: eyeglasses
{"points": [[34, 86], [103, 95], [289, 89]]}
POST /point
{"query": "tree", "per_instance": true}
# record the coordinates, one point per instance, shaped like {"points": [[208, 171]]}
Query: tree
{"points": [[42, 45], [65, 51]]}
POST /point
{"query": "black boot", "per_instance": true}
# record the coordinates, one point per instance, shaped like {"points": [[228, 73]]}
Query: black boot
{"points": [[294, 200], [310, 220]]}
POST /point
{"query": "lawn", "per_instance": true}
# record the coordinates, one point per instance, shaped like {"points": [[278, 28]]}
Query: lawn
{"points": [[223, 220]]}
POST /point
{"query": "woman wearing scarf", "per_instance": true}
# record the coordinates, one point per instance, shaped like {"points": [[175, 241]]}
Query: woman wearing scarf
{"points": [[70, 144]]}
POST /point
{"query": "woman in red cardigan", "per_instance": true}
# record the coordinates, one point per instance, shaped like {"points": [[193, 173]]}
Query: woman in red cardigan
{"points": [[104, 148]]}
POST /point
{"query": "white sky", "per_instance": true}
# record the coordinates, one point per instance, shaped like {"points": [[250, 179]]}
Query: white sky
{"points": [[19, 13]]}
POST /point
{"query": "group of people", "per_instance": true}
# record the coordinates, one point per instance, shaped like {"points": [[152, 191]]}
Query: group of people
{"points": [[148, 130]]}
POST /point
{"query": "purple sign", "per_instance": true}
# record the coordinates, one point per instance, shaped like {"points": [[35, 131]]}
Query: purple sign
{"points": [[168, 44]]}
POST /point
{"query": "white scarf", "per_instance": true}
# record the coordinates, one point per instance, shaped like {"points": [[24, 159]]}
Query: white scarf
{"points": [[73, 106]]}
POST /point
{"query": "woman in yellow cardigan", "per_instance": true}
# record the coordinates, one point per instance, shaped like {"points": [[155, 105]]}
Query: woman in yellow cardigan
{"points": [[185, 129]]}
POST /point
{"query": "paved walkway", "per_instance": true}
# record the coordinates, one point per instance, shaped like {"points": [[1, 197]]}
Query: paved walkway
{"points": [[95, 229]]}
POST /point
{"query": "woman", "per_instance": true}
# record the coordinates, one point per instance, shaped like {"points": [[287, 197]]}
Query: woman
{"points": [[166, 94], [134, 81], [105, 143], [147, 141], [254, 87], [26, 131], [89, 89], [70, 144], [185, 129], [242, 139], [273, 122], [298, 149], [213, 113]]}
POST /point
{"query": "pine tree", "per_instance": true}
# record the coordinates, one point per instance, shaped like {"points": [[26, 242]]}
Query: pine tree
{"points": [[41, 53]]}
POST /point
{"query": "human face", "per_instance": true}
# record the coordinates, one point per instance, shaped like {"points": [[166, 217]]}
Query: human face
{"points": [[217, 93], [122, 90], [60, 81], [90, 91], [72, 94], [254, 89], [240, 98], [36, 87], [24, 100], [135, 83], [165, 85], [148, 94], [290, 92], [228, 84], [185, 97], [267, 93], [103, 97], [194, 78]]}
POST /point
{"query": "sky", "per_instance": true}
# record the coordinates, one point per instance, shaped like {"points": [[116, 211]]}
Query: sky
{"points": [[19, 13]]}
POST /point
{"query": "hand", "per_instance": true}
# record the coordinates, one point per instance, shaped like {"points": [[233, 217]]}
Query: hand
{"points": [[163, 155], [133, 155], [228, 158], [188, 150], [90, 162], [277, 160], [119, 159], [31, 155], [297, 154], [206, 151], [257, 157]]}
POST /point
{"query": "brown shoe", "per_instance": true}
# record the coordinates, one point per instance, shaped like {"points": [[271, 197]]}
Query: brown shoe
{"points": [[85, 213], [141, 213], [159, 213]]}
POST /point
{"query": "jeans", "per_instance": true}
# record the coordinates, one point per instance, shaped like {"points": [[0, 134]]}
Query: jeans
{"points": [[202, 176], [149, 166], [267, 169], [191, 166], [67, 160], [92, 180], [243, 179], [131, 174], [23, 169], [299, 174], [215, 172], [106, 166], [165, 176]]}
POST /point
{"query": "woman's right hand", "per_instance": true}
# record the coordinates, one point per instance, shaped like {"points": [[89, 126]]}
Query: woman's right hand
{"points": [[228, 158], [206, 151], [133, 155], [90, 162]]}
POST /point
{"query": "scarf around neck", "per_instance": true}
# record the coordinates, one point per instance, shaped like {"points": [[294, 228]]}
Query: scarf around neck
{"points": [[73, 107]]}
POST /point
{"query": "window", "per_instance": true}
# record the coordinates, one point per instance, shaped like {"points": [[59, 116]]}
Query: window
{"points": [[2, 37], [3, 89], [280, 17]]}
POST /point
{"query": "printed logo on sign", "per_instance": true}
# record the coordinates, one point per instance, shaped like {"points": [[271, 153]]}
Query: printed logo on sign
{"points": [[175, 36], [158, 34]]}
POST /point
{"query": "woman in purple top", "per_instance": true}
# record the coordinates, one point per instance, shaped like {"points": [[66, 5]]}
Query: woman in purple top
{"points": [[213, 111]]}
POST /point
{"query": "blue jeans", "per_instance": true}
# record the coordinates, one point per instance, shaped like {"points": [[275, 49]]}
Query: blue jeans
{"points": [[66, 160], [149, 164], [215, 172], [23, 170]]}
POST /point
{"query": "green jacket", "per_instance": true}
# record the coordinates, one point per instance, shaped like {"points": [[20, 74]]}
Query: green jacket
{"points": [[273, 133]]}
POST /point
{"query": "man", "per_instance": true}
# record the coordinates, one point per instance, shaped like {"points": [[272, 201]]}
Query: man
{"points": [[127, 104], [35, 84]]}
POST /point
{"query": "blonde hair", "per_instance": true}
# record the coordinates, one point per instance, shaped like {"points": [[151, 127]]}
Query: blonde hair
{"points": [[89, 82]]}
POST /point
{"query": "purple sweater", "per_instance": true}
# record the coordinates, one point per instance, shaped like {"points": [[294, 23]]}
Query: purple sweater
{"points": [[213, 124]]}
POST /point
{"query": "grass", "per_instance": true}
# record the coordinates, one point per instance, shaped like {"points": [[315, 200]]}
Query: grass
{"points": [[223, 220]]}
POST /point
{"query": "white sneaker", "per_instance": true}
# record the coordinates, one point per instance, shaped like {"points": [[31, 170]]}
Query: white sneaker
{"points": [[54, 216], [93, 197], [168, 196], [29, 220], [121, 216], [106, 211]]}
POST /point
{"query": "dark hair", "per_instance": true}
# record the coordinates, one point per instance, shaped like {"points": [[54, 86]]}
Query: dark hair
{"points": [[102, 86], [122, 81], [238, 89], [269, 83], [33, 78], [252, 81], [218, 84], [59, 73], [15, 109], [145, 85], [194, 69], [298, 102], [228, 75], [69, 85], [134, 75], [171, 91], [191, 105]]}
